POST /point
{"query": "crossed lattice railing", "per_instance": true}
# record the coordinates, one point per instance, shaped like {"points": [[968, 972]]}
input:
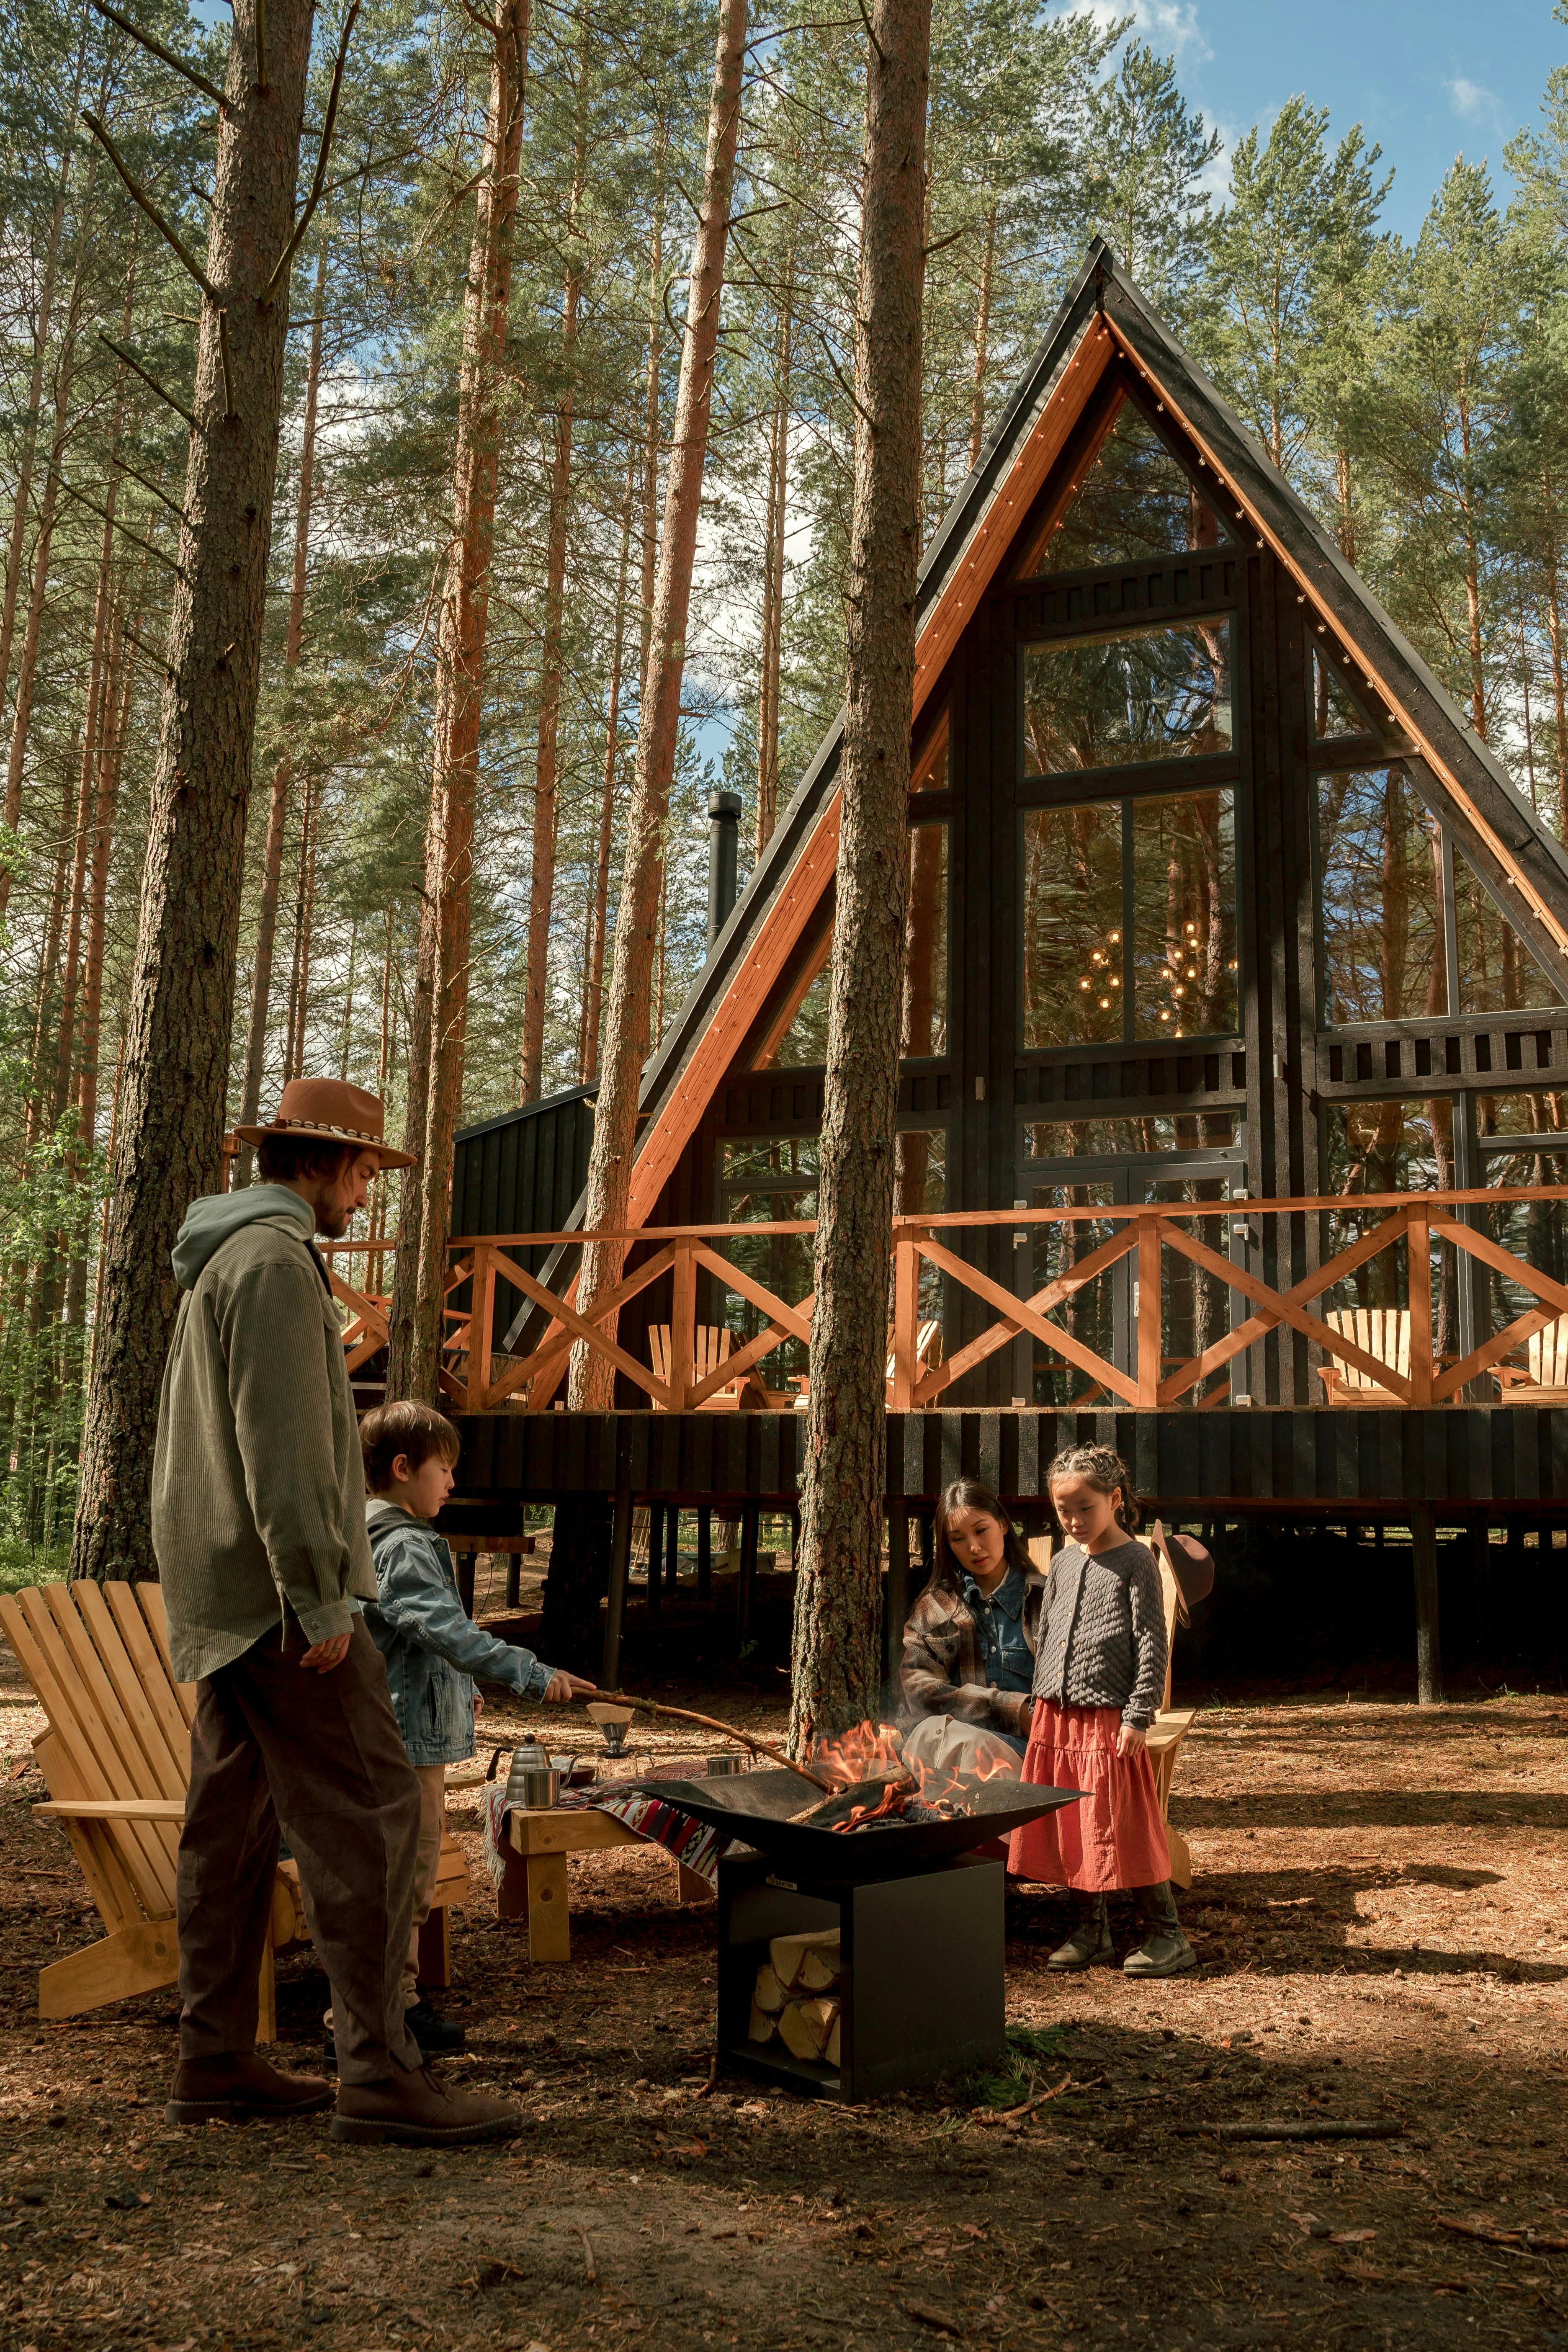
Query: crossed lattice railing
{"points": [[478, 1378]]}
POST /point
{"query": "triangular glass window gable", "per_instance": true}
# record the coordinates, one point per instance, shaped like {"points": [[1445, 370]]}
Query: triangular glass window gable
{"points": [[1335, 710], [1384, 946], [1134, 503]]}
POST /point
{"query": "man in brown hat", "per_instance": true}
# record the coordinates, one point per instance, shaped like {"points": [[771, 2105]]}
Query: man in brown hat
{"points": [[258, 1522]]}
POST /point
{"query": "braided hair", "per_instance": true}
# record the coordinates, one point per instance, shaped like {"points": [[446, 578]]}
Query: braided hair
{"points": [[1106, 1472]]}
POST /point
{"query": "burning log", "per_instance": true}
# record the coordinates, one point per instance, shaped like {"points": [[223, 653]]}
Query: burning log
{"points": [[836, 1811]]}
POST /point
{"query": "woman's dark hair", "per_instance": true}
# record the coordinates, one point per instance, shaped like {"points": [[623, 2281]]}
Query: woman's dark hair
{"points": [[1102, 1469], [969, 1495], [409, 1428], [280, 1157]]}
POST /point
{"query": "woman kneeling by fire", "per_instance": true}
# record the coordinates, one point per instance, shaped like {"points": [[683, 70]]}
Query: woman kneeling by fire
{"points": [[1056, 1676]]}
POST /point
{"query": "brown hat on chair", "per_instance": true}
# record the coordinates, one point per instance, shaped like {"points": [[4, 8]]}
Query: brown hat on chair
{"points": [[333, 1112]]}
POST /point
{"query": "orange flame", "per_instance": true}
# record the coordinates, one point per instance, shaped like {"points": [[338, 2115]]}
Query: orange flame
{"points": [[869, 1749]]}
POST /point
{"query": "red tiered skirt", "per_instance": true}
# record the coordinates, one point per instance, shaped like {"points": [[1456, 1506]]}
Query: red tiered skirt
{"points": [[1115, 1837]]}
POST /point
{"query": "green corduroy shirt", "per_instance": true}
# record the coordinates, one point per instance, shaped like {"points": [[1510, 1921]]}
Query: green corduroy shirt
{"points": [[258, 1479]]}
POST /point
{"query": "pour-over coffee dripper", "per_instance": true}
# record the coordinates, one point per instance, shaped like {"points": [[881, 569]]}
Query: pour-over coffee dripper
{"points": [[614, 1722]]}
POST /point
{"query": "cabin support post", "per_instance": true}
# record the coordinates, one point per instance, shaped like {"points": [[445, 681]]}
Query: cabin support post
{"points": [[705, 1552], [620, 1577], [746, 1583], [1428, 1639], [465, 1564], [672, 1549], [654, 1555]]}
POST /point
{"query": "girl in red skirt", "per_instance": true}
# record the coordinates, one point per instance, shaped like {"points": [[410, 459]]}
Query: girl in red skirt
{"points": [[1099, 1673]]}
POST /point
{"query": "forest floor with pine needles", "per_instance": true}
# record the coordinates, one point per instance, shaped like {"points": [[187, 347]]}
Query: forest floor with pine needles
{"points": [[1381, 1910]]}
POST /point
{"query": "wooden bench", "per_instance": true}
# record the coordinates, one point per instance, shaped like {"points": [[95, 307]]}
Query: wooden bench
{"points": [[116, 1759], [533, 1862]]}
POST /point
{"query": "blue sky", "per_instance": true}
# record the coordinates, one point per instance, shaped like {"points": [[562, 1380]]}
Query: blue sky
{"points": [[1428, 79]]}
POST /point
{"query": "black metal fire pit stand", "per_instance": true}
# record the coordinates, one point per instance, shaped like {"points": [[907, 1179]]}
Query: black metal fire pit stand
{"points": [[921, 1961]]}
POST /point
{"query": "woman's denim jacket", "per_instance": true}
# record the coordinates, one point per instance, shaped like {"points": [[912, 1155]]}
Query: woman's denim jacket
{"points": [[432, 1647]]}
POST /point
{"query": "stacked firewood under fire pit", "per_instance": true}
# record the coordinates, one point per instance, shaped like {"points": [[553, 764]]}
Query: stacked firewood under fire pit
{"points": [[797, 1998]]}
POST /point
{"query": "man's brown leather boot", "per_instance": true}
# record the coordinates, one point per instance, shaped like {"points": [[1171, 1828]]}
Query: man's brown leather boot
{"points": [[242, 2084], [422, 2108]]}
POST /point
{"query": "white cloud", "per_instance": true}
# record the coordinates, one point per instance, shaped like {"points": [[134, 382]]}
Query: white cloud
{"points": [[1475, 103], [1169, 24]]}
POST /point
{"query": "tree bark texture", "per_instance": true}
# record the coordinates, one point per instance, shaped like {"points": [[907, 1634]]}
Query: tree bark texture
{"points": [[176, 1071], [835, 1673], [637, 916], [32, 630], [546, 777], [282, 776], [594, 993], [768, 696], [441, 972]]}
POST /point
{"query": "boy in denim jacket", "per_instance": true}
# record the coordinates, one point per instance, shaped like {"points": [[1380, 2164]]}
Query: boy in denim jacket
{"points": [[432, 1647]]}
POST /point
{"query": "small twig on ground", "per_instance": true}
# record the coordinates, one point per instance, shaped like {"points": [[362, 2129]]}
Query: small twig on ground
{"points": [[1516, 2241], [593, 2275], [712, 2076], [1016, 2114], [929, 2318]]}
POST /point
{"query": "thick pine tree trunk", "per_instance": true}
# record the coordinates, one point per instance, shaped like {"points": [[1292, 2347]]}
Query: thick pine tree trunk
{"points": [[282, 776], [593, 992], [441, 975], [982, 342], [546, 773], [637, 916], [175, 1072], [28, 452], [32, 629], [836, 1677], [768, 699]]}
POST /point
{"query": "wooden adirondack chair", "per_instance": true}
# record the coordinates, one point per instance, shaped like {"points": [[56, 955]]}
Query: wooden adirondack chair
{"points": [[117, 1760], [1384, 1332], [712, 1343], [1546, 1381], [1171, 1726], [927, 1353]]}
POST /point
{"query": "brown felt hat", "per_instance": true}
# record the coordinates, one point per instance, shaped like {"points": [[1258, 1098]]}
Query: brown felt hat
{"points": [[333, 1112]]}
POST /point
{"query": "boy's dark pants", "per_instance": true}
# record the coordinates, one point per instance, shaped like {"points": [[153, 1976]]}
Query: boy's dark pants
{"points": [[272, 1743]]}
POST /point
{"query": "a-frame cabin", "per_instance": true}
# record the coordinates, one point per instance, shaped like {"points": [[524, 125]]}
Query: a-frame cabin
{"points": [[1214, 896]]}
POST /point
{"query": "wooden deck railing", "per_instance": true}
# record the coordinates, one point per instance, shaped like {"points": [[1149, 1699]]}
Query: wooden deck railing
{"points": [[478, 1379]]}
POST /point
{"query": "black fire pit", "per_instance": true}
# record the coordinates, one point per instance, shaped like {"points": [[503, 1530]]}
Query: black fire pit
{"points": [[920, 1990], [757, 1806]]}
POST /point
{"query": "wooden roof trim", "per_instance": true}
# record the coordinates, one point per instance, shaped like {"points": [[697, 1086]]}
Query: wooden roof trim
{"points": [[1363, 661], [754, 976], [798, 896], [1016, 493]]}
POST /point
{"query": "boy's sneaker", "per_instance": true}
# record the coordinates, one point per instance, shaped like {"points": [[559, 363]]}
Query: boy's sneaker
{"points": [[437, 2036]]}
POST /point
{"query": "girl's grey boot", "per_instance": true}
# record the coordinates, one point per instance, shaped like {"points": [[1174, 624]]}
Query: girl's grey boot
{"points": [[1090, 1940], [1164, 1951]]}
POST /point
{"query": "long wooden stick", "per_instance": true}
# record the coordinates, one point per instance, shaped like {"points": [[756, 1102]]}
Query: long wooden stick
{"points": [[710, 1723]]}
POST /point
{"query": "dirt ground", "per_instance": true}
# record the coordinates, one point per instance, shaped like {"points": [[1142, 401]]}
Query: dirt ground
{"points": [[1380, 1908]]}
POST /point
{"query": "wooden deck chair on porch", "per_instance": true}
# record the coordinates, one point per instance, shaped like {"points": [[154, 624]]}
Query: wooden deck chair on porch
{"points": [[1546, 1381], [1384, 1332], [711, 1345], [116, 1759]]}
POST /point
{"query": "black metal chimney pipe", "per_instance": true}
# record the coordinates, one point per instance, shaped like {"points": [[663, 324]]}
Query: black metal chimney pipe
{"points": [[724, 859]]}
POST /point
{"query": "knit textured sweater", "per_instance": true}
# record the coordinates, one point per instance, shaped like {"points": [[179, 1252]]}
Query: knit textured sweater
{"points": [[1102, 1632]]}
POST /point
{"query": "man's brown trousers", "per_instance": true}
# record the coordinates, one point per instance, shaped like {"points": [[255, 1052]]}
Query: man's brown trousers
{"points": [[321, 1753]]}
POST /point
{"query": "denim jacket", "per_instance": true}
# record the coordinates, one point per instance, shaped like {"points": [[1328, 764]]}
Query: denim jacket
{"points": [[432, 1647]]}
